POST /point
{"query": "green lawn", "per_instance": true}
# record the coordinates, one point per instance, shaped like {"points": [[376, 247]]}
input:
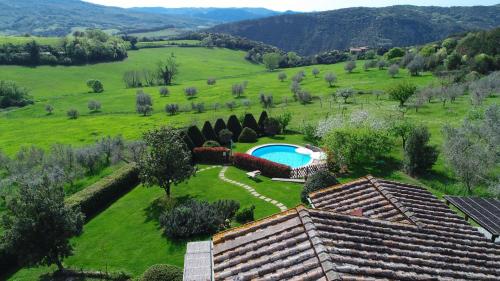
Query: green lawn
{"points": [[127, 237]]}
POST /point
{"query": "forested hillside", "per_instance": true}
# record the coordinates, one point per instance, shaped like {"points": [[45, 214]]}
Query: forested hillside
{"points": [[60, 17], [339, 29]]}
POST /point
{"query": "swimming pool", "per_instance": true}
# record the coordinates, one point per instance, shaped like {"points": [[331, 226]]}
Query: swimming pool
{"points": [[292, 155]]}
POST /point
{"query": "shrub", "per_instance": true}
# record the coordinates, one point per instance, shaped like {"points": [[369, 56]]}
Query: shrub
{"points": [[225, 136], [94, 105], [263, 117], [191, 92], [233, 125], [172, 108], [164, 91], [250, 122], [211, 81], [402, 92], [247, 136], [194, 218], [49, 108], [246, 215], [72, 113], [393, 70], [419, 156], [208, 131], [162, 272], [350, 66], [219, 126], [143, 103], [211, 143], [272, 126], [101, 194], [268, 168], [95, 85], [318, 181], [211, 155]]}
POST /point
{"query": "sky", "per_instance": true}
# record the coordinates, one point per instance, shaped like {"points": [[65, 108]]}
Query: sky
{"points": [[283, 5]]}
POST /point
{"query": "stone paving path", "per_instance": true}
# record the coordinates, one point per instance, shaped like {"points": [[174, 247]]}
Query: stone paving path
{"points": [[208, 168], [249, 189]]}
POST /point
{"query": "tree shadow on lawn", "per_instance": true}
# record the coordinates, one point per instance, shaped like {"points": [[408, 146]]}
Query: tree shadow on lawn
{"points": [[381, 168]]}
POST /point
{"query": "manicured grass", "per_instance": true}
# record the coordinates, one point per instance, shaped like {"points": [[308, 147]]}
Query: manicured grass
{"points": [[127, 236]]}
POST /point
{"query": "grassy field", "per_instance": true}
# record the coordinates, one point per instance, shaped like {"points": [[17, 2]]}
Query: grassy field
{"points": [[64, 88], [167, 43], [168, 32], [16, 40]]}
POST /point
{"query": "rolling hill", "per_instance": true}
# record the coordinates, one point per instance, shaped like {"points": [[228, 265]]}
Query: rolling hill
{"points": [[220, 15], [311, 33]]}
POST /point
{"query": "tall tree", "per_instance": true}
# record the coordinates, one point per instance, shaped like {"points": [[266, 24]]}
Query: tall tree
{"points": [[167, 159], [167, 70], [38, 225], [419, 156], [402, 92], [271, 60]]}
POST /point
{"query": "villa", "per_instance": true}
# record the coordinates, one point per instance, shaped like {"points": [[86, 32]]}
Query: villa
{"points": [[367, 229]]}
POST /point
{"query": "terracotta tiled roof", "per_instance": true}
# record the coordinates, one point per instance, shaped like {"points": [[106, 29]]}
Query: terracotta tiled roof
{"points": [[308, 244], [392, 201], [368, 229]]}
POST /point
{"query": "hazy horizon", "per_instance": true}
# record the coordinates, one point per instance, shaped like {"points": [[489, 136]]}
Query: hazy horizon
{"points": [[295, 5]]}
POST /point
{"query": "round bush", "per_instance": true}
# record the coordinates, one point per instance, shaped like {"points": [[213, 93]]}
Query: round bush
{"points": [[248, 135], [162, 272], [318, 181], [211, 144], [225, 136]]}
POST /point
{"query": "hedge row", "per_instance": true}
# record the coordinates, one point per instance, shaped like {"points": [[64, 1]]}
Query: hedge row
{"points": [[8, 262], [211, 155], [267, 168], [100, 195]]}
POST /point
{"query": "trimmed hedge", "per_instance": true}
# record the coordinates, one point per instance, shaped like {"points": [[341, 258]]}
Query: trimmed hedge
{"points": [[196, 136], [187, 140], [234, 125], [250, 122], [211, 155], [101, 194], [162, 272], [211, 143], [248, 136], [208, 132], [219, 126], [267, 168], [262, 119]]}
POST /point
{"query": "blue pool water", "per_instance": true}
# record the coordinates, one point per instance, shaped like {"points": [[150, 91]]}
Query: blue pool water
{"points": [[283, 154]]}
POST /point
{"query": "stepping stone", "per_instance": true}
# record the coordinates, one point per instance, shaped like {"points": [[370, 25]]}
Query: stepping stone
{"points": [[268, 199], [262, 197], [274, 202]]}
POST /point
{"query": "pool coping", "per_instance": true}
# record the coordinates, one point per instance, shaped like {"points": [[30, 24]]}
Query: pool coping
{"points": [[249, 152]]}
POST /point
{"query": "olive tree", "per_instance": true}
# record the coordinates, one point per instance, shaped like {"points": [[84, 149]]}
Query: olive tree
{"points": [[38, 225], [167, 159], [402, 92], [143, 103], [345, 94], [282, 76], [350, 66], [393, 70], [94, 105], [238, 90], [95, 85], [315, 72], [330, 78], [419, 156]]}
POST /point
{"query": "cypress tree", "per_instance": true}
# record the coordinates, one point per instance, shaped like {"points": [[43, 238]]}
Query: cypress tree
{"points": [[219, 126], [196, 136], [187, 140], [262, 119], [208, 132], [233, 124], [250, 122]]}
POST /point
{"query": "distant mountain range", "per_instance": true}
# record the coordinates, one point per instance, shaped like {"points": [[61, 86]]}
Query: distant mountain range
{"points": [[61, 17], [221, 15], [310, 33]]}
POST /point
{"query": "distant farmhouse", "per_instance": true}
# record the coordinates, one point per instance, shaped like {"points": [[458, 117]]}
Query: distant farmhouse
{"points": [[367, 229]]}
